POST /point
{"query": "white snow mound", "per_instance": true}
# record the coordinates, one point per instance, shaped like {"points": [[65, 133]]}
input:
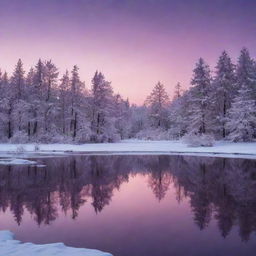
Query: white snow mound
{"points": [[11, 247], [16, 161]]}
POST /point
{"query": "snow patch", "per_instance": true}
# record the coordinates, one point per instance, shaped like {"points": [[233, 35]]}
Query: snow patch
{"points": [[11, 247], [137, 146], [16, 161]]}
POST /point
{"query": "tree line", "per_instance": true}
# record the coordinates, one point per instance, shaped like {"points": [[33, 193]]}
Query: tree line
{"points": [[222, 105], [41, 107]]}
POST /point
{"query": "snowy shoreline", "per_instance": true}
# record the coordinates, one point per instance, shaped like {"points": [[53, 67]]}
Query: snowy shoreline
{"points": [[11, 247], [128, 147]]}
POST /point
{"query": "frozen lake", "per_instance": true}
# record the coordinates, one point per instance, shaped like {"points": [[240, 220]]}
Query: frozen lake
{"points": [[134, 205]]}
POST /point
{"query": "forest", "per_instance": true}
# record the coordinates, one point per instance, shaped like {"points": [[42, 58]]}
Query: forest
{"points": [[40, 106]]}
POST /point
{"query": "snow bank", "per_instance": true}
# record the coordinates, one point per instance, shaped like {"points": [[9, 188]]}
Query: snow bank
{"points": [[140, 147], [14, 161], [11, 247]]}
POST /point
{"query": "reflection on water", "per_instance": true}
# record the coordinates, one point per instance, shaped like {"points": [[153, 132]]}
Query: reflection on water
{"points": [[223, 190]]}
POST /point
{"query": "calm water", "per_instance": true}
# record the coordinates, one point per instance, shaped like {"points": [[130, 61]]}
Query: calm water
{"points": [[134, 205]]}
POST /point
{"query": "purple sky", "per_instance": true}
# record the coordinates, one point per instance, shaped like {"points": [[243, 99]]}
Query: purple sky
{"points": [[134, 43]]}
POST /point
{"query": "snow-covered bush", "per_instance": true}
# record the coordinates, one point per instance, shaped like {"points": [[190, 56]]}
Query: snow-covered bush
{"points": [[44, 138], [20, 149], [19, 137], [108, 133], [52, 138], [100, 138], [83, 135], [154, 134], [36, 147], [196, 140]]}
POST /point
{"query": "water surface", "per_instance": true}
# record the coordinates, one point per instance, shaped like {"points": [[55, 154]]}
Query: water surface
{"points": [[134, 205]]}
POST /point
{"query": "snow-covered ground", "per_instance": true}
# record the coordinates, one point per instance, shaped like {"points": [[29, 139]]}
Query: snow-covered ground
{"points": [[13, 161], [11, 247], [221, 148]]}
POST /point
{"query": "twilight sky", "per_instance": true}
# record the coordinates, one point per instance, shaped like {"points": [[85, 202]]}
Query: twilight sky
{"points": [[135, 43]]}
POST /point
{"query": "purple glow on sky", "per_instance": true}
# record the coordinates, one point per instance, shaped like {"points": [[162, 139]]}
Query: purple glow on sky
{"points": [[134, 42]]}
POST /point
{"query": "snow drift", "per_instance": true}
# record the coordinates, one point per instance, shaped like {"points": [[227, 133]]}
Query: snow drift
{"points": [[11, 247]]}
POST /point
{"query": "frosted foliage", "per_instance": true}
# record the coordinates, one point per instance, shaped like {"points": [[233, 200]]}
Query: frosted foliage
{"points": [[195, 140], [43, 106], [242, 117], [40, 107], [157, 103]]}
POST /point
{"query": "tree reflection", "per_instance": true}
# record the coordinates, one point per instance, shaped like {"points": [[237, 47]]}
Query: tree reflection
{"points": [[223, 189]]}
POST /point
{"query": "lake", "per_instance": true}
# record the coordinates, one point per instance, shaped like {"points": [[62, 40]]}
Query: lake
{"points": [[134, 205]]}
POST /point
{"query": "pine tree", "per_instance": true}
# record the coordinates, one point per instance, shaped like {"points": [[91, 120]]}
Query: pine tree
{"points": [[18, 80], [50, 75], [223, 91], [76, 92], [199, 98], [30, 93], [38, 80], [37, 97], [18, 88], [49, 103], [242, 116], [246, 72], [102, 112], [7, 105], [179, 115], [157, 102], [63, 94], [122, 116], [178, 91]]}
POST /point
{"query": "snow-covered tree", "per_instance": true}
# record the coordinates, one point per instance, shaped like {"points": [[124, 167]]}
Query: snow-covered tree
{"points": [[17, 84], [48, 104], [223, 91], [30, 94], [18, 81], [242, 116], [6, 106], [199, 98], [102, 112], [246, 71], [178, 91], [37, 96], [139, 120], [76, 93], [39, 107], [50, 76], [179, 115], [122, 116], [157, 103], [64, 101], [38, 80]]}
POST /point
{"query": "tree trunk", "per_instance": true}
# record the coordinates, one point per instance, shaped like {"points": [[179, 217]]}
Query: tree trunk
{"points": [[75, 126], [63, 118], [98, 123], [35, 124], [28, 129], [35, 128], [9, 129], [72, 120], [224, 114], [9, 123], [19, 121]]}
